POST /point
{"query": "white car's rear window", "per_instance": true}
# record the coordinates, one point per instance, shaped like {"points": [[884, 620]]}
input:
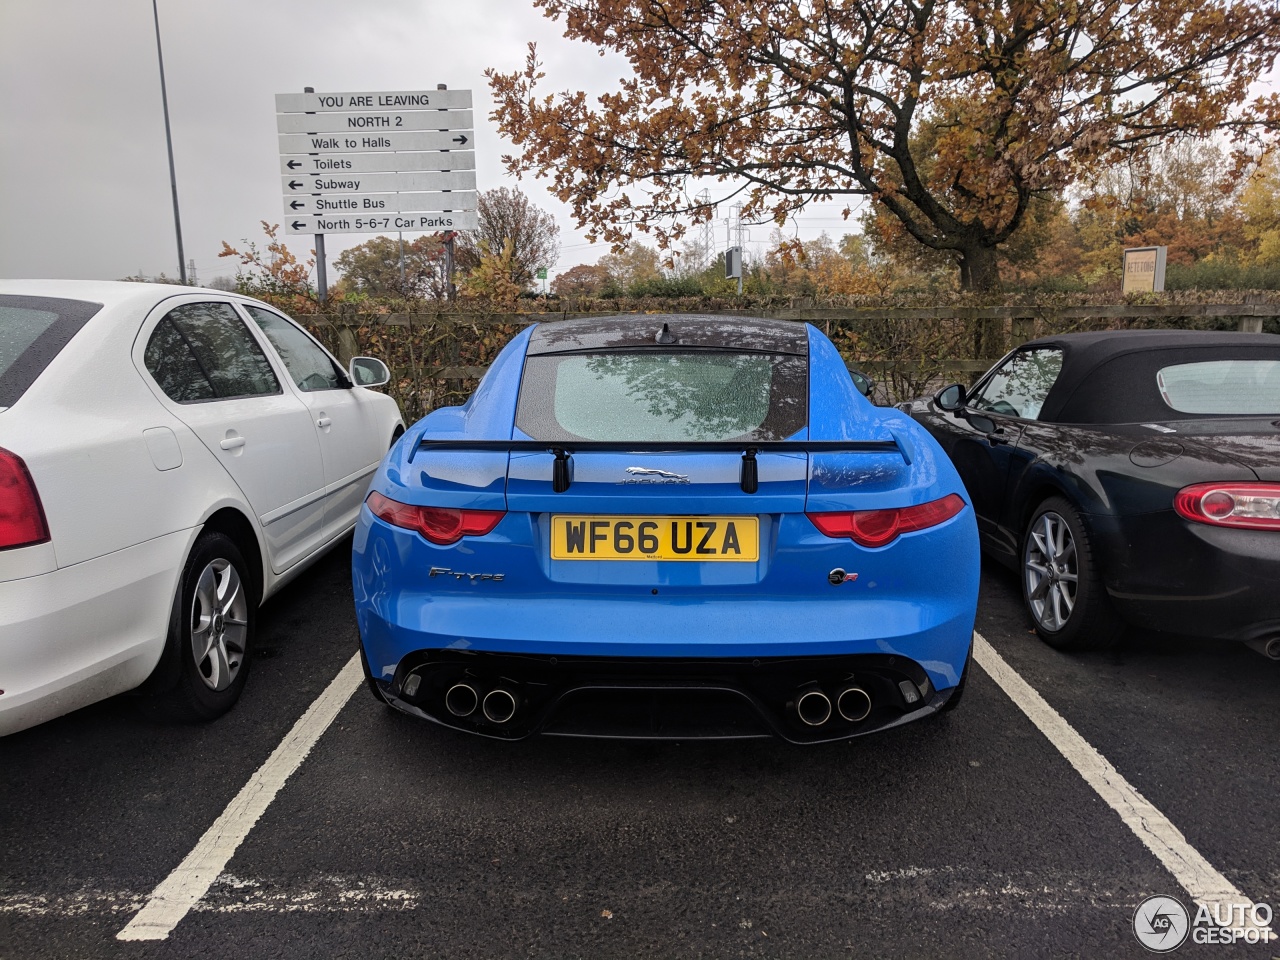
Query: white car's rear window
{"points": [[33, 330], [1242, 387]]}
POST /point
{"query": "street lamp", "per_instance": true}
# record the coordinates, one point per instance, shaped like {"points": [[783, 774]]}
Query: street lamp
{"points": [[168, 139]]}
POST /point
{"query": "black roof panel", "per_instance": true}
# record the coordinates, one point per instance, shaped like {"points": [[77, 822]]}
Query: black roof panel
{"points": [[1109, 376]]}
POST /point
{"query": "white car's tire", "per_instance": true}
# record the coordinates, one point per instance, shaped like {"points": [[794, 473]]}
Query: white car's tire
{"points": [[206, 659]]}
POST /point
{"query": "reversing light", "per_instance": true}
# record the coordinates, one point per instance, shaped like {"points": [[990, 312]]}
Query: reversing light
{"points": [[22, 522], [1253, 506], [875, 528], [441, 525]]}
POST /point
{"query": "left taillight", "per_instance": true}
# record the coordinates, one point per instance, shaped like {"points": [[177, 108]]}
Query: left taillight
{"points": [[442, 525], [22, 521], [875, 528], [1253, 506]]}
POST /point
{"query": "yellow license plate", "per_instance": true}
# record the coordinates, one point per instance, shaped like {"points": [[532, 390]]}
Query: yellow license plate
{"points": [[655, 538]]}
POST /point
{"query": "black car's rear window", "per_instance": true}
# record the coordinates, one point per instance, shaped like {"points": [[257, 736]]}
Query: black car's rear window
{"points": [[660, 395], [1222, 387], [33, 330]]}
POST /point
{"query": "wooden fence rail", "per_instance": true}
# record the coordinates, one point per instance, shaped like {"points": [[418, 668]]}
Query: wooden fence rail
{"points": [[438, 356]]}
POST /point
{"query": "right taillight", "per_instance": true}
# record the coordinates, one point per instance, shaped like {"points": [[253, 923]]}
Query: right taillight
{"points": [[22, 520], [1253, 506], [875, 528], [442, 525]]}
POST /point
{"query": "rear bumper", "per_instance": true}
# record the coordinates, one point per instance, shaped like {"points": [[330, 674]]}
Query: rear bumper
{"points": [[1172, 575], [661, 698], [85, 632], [915, 599]]}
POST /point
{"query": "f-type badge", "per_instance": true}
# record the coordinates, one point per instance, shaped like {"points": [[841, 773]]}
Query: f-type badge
{"points": [[459, 575], [654, 475]]}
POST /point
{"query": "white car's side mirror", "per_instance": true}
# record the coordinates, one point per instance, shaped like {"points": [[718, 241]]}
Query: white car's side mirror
{"points": [[369, 372]]}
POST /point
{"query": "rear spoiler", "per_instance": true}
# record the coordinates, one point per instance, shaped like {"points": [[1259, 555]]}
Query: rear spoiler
{"points": [[749, 478]]}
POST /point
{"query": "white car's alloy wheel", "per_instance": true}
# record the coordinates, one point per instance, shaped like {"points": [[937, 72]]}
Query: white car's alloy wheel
{"points": [[219, 624]]}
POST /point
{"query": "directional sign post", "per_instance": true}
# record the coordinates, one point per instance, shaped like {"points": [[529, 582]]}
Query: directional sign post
{"points": [[376, 162]]}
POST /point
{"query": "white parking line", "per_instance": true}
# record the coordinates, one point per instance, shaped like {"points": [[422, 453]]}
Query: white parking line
{"points": [[183, 888], [1196, 875]]}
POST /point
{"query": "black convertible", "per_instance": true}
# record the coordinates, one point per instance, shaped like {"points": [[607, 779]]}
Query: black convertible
{"points": [[1129, 476]]}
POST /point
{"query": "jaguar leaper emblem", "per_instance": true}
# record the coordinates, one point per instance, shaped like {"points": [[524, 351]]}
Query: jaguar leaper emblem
{"points": [[654, 475]]}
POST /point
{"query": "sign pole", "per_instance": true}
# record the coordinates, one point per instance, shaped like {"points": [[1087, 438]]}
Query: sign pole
{"points": [[322, 282], [450, 290]]}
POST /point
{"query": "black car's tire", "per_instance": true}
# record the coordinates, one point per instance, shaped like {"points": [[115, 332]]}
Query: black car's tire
{"points": [[206, 660], [1062, 589], [958, 692]]}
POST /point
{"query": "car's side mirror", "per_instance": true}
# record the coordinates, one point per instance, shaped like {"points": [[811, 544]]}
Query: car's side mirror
{"points": [[369, 372], [862, 382], [950, 398]]}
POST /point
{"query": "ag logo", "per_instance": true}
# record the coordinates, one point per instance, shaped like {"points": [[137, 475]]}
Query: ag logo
{"points": [[1161, 924]]}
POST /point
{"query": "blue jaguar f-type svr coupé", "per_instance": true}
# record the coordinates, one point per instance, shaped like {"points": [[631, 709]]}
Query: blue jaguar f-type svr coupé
{"points": [[667, 527]]}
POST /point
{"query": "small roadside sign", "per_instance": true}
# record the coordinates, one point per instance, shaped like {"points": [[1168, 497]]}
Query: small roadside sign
{"points": [[1143, 270]]}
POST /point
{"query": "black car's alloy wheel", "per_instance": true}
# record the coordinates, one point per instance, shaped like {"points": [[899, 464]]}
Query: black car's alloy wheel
{"points": [[1061, 587]]}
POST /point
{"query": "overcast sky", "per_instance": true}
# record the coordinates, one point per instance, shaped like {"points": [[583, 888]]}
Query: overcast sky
{"points": [[84, 180]]}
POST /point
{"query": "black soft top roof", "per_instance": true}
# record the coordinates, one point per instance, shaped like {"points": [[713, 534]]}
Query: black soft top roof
{"points": [[1110, 376], [639, 331]]}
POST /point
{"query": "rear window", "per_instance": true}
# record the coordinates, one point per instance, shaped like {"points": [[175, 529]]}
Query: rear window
{"points": [[33, 330], [659, 396], [1242, 387]]}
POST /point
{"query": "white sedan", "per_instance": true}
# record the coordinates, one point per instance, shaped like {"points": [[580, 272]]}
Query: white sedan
{"points": [[169, 458]]}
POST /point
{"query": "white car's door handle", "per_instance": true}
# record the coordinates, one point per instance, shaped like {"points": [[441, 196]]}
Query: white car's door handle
{"points": [[323, 422], [231, 443]]}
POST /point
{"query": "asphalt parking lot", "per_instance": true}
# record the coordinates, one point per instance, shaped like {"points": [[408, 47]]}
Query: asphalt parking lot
{"points": [[969, 835]]}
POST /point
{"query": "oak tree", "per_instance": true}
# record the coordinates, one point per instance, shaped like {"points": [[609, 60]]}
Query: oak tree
{"points": [[951, 115]]}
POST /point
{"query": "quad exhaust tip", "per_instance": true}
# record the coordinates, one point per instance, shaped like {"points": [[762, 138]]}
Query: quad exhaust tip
{"points": [[854, 704], [813, 707], [499, 705], [461, 700], [1269, 647]]}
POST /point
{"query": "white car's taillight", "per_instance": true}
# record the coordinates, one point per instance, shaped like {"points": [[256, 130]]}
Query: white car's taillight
{"points": [[22, 520], [1254, 506]]}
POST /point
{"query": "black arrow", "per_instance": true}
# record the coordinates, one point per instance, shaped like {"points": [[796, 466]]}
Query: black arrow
{"points": [[461, 139], [297, 225], [295, 184], [296, 204], [294, 164]]}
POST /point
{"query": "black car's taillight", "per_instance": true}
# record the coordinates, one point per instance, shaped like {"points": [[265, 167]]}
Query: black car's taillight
{"points": [[442, 525], [22, 521], [1253, 506]]}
